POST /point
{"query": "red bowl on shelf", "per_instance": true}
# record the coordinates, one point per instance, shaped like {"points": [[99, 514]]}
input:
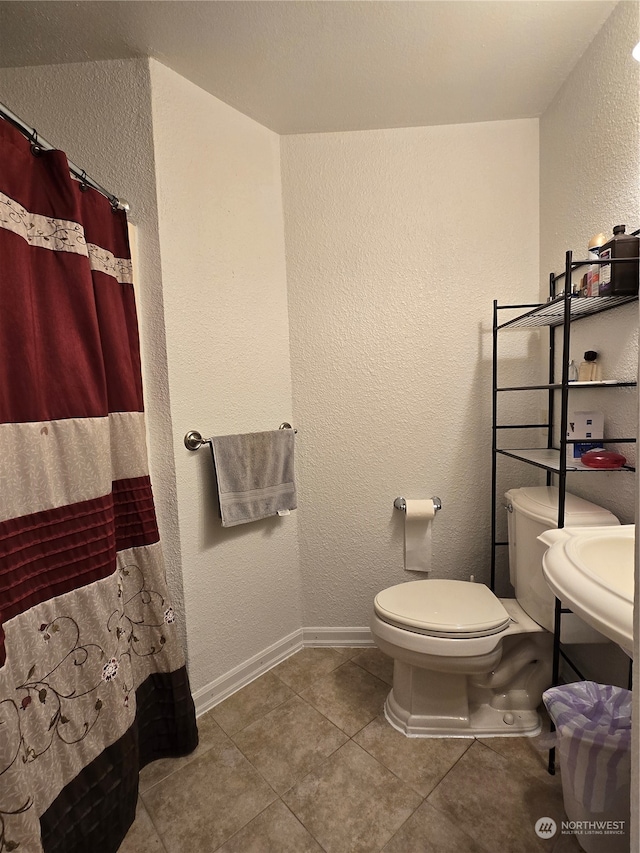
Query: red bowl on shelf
{"points": [[603, 459]]}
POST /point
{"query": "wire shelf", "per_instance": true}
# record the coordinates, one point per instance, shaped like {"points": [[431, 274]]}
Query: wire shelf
{"points": [[549, 460], [552, 313]]}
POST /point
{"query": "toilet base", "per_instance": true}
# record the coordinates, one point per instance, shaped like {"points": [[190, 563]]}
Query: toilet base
{"points": [[481, 721], [474, 702]]}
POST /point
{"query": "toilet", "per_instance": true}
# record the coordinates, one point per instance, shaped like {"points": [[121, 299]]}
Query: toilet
{"points": [[466, 663]]}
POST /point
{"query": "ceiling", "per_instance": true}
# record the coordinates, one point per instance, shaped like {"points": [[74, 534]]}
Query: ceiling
{"points": [[301, 66]]}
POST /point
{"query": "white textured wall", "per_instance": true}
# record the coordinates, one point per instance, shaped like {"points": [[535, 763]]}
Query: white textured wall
{"points": [[589, 182], [223, 271], [397, 242], [99, 113]]}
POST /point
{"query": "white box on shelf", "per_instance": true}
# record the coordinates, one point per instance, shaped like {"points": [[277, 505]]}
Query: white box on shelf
{"points": [[584, 425]]}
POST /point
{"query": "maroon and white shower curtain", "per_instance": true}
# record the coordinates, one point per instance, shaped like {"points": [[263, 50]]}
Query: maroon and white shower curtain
{"points": [[93, 684]]}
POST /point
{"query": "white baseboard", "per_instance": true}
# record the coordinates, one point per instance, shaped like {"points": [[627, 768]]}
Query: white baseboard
{"points": [[221, 688], [319, 637]]}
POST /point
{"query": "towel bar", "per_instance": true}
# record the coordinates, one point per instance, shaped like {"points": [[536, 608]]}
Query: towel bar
{"points": [[401, 503], [194, 441]]}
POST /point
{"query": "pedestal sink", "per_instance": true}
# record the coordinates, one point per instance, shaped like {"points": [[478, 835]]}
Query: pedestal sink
{"points": [[592, 571]]}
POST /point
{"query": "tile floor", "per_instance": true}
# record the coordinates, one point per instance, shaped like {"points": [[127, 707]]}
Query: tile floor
{"points": [[302, 761]]}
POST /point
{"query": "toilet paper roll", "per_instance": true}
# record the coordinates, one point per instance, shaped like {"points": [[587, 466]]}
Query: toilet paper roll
{"points": [[417, 535]]}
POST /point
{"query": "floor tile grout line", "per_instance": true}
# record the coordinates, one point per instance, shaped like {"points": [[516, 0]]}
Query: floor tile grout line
{"points": [[448, 817], [440, 811], [514, 765], [547, 781], [257, 719], [153, 824], [404, 822], [190, 758], [262, 776], [313, 770], [245, 825], [386, 683], [231, 736], [306, 829], [296, 781], [388, 769], [324, 761], [472, 740], [393, 773], [260, 719], [322, 675]]}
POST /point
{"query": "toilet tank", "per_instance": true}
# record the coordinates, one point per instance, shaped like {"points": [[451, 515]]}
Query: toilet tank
{"points": [[532, 510]]}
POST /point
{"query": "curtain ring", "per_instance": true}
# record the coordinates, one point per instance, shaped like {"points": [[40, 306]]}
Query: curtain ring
{"points": [[36, 148], [84, 186]]}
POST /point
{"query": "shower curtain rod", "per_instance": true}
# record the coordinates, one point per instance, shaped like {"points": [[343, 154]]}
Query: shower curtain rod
{"points": [[39, 142]]}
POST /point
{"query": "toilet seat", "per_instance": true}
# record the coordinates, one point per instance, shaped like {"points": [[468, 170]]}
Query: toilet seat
{"points": [[442, 608]]}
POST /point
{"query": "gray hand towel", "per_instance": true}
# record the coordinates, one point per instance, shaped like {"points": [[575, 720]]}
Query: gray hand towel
{"points": [[255, 475]]}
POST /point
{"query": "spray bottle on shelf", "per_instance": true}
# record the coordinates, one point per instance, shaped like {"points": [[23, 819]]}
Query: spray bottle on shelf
{"points": [[593, 273]]}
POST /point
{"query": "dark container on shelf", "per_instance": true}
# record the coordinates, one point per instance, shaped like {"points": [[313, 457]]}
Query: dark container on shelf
{"points": [[620, 279]]}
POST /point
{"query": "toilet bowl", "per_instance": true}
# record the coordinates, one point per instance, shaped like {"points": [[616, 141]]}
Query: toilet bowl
{"points": [[466, 663]]}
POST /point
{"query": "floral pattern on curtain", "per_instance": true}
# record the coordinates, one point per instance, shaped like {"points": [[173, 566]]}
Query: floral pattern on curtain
{"points": [[93, 683]]}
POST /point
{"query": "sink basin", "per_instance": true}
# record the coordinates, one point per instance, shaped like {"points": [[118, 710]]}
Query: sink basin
{"points": [[592, 571]]}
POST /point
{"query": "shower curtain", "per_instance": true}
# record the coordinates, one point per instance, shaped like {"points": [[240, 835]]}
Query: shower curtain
{"points": [[93, 684]]}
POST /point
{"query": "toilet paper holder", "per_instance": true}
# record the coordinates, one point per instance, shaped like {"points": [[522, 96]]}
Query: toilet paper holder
{"points": [[401, 503]]}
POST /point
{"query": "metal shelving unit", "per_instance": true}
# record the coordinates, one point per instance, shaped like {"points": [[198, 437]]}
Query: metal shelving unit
{"points": [[558, 313]]}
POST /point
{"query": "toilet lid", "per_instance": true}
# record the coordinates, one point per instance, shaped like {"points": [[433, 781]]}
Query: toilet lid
{"points": [[442, 608]]}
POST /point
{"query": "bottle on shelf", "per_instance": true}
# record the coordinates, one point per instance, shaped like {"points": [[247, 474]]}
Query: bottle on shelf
{"points": [[593, 273], [590, 370], [619, 279], [573, 371]]}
